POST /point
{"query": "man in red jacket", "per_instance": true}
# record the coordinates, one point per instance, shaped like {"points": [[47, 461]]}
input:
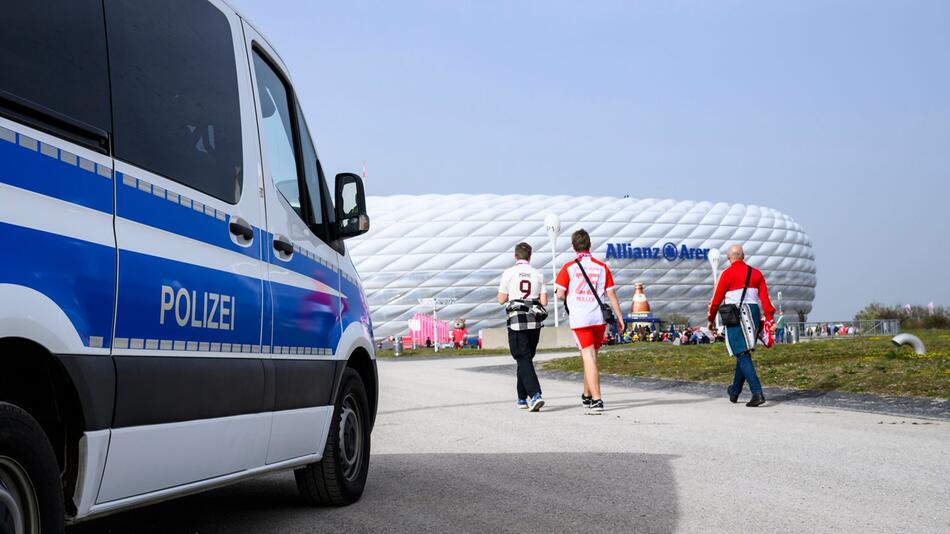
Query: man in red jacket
{"points": [[742, 285]]}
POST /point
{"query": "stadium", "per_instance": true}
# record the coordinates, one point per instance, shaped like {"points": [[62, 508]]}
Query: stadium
{"points": [[456, 247]]}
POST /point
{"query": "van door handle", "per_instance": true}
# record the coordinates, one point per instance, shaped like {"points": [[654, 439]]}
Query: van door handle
{"points": [[283, 246], [241, 229]]}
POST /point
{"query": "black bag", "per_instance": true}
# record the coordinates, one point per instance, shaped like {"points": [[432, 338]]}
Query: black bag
{"points": [[729, 313], [605, 309]]}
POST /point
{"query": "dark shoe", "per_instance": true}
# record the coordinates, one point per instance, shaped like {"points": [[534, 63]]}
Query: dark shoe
{"points": [[596, 407], [733, 397], [585, 400], [758, 399]]}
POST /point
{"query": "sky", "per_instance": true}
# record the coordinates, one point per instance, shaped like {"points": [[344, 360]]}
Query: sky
{"points": [[836, 113]]}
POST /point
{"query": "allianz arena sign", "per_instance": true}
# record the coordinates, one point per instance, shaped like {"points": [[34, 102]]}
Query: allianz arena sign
{"points": [[669, 252]]}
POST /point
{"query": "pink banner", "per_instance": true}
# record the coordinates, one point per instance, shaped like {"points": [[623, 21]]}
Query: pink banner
{"points": [[425, 331]]}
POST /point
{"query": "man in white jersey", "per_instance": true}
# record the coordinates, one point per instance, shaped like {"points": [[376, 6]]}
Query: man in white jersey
{"points": [[522, 292], [586, 316]]}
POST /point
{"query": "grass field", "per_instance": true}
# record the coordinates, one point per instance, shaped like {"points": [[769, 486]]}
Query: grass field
{"points": [[864, 365]]}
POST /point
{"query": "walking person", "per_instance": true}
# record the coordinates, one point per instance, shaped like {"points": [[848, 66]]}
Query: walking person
{"points": [[522, 292], [780, 328], [582, 284], [744, 299]]}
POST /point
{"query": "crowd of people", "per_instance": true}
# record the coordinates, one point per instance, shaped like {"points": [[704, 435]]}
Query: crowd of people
{"points": [[832, 330], [679, 335], [695, 335]]}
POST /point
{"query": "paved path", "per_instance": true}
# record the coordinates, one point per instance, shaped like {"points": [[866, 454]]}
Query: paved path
{"points": [[451, 453]]}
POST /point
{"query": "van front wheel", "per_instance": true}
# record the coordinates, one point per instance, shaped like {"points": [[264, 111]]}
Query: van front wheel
{"points": [[31, 498], [339, 479]]}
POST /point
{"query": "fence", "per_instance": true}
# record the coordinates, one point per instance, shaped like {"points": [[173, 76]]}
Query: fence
{"points": [[795, 332], [426, 326]]}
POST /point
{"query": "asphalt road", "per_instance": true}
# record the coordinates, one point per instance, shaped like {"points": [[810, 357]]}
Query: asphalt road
{"points": [[451, 453]]}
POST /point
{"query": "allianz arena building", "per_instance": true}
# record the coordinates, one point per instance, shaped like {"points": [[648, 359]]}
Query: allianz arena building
{"points": [[456, 246]]}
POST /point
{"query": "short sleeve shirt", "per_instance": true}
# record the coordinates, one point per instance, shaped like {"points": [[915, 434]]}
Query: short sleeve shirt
{"points": [[583, 307], [522, 281]]}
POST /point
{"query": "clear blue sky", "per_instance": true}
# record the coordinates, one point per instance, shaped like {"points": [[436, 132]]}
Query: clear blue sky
{"points": [[834, 112]]}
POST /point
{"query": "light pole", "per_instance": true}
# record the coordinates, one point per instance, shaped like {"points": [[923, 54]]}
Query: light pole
{"points": [[553, 226], [714, 263], [435, 303]]}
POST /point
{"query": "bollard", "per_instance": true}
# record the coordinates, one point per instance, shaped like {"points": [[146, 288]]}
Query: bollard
{"points": [[397, 348]]}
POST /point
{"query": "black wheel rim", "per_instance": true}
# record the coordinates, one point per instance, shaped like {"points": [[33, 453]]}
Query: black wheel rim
{"points": [[19, 508], [351, 438]]}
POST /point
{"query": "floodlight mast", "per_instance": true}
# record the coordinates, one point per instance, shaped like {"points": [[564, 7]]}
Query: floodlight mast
{"points": [[713, 256], [552, 224]]}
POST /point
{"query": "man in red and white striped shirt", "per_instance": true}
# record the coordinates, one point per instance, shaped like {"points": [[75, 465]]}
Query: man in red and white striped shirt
{"points": [[587, 320]]}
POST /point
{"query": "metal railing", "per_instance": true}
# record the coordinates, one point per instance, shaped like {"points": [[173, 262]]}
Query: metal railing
{"points": [[815, 330]]}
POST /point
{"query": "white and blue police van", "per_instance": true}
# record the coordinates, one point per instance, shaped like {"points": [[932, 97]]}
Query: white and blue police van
{"points": [[178, 310]]}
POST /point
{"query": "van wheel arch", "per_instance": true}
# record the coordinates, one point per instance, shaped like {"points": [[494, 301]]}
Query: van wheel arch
{"points": [[35, 381], [361, 362]]}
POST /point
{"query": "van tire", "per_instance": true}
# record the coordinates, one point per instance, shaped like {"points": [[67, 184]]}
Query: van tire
{"points": [[28, 463], [339, 479]]}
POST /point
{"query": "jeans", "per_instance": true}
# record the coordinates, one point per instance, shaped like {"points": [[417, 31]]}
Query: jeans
{"points": [[523, 344], [745, 371]]}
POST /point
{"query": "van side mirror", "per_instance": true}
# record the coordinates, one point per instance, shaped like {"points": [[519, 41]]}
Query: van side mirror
{"points": [[350, 203]]}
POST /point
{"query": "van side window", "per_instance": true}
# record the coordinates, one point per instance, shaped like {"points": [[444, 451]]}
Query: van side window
{"points": [[277, 131], [313, 176], [174, 93], [282, 127], [53, 55]]}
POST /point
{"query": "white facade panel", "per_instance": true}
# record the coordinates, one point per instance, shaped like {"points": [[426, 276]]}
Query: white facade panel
{"points": [[458, 245]]}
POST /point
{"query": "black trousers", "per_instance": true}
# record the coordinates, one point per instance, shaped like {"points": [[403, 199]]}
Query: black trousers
{"points": [[523, 344]]}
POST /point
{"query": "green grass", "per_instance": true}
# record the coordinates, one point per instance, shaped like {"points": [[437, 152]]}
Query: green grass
{"points": [[863, 365]]}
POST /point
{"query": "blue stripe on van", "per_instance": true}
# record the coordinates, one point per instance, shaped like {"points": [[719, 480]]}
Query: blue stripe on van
{"points": [[142, 316], [354, 307], [303, 265], [35, 171], [85, 291], [156, 211], [304, 318]]}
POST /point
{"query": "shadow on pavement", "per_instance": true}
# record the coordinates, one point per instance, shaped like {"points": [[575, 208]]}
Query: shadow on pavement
{"points": [[793, 395], [518, 492], [511, 403], [620, 405]]}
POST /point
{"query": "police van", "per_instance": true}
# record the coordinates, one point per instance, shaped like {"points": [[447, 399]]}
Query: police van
{"points": [[178, 310]]}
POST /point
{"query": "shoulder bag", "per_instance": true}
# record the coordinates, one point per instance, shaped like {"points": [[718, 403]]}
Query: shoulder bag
{"points": [[605, 309], [729, 313]]}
